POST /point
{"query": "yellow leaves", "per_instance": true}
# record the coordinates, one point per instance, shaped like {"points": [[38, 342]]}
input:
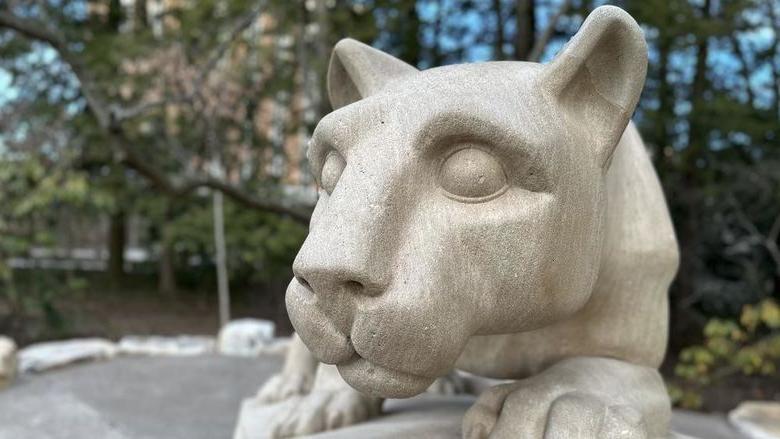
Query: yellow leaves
{"points": [[750, 346], [683, 397], [724, 329], [770, 313], [721, 346], [750, 317], [767, 312]]}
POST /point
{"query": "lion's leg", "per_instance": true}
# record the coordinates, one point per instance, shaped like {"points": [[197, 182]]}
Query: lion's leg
{"points": [[317, 397], [296, 377], [331, 404], [582, 397]]}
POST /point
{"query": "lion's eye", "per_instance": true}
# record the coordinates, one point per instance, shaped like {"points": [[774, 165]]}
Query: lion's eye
{"points": [[331, 171], [471, 174]]}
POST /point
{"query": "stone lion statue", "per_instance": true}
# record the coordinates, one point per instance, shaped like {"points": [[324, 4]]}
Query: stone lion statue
{"points": [[500, 218]]}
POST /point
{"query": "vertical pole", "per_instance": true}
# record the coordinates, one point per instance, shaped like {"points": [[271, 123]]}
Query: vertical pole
{"points": [[219, 245]]}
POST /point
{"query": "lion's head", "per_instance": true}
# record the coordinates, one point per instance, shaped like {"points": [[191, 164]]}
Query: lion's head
{"points": [[456, 201]]}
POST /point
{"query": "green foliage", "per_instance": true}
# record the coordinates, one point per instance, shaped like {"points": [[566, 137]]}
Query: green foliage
{"points": [[750, 346], [260, 246], [35, 192]]}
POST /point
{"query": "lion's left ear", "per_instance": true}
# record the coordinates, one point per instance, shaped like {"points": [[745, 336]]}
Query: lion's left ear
{"points": [[357, 71], [599, 75]]}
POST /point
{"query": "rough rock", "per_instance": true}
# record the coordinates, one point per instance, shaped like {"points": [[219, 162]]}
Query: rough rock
{"points": [[183, 345], [245, 337], [757, 419], [7, 361], [40, 357]]}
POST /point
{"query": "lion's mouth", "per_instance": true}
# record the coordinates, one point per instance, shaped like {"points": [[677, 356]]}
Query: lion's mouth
{"points": [[351, 346], [376, 380], [330, 345]]}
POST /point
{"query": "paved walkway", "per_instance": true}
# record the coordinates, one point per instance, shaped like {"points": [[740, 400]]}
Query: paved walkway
{"points": [[195, 398], [134, 398]]}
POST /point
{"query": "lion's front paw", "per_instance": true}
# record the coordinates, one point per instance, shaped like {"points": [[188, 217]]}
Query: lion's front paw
{"points": [[480, 419], [450, 384], [502, 414], [285, 385], [323, 410], [583, 415]]}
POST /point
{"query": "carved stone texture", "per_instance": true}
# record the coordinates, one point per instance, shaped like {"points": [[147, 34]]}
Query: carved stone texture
{"points": [[501, 218]]}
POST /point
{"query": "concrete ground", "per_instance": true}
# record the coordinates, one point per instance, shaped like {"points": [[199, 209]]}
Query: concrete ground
{"points": [[134, 398], [199, 398]]}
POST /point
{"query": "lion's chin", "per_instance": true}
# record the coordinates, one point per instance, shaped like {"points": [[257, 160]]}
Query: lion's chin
{"points": [[375, 380]]}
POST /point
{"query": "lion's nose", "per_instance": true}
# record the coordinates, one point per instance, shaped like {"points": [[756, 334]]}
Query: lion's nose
{"points": [[328, 267], [324, 281]]}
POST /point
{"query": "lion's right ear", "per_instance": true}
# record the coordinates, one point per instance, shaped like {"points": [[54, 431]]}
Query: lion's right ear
{"points": [[357, 71], [598, 76]]}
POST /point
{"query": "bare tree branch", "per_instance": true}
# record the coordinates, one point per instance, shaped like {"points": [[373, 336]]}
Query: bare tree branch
{"points": [[32, 29], [546, 36], [744, 66], [242, 23], [38, 31], [768, 241], [109, 117]]}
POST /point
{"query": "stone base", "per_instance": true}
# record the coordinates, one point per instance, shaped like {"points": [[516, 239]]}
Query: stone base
{"points": [[757, 419], [422, 417], [440, 417]]}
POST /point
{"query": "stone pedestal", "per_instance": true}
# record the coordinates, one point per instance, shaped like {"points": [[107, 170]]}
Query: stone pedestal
{"points": [[422, 417], [431, 417], [757, 419]]}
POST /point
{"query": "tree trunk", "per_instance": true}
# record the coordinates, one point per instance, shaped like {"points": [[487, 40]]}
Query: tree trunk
{"points": [[498, 40], [683, 321], [166, 282], [223, 288], [116, 246], [437, 57], [141, 15], [410, 37], [114, 14], [526, 29], [665, 107]]}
